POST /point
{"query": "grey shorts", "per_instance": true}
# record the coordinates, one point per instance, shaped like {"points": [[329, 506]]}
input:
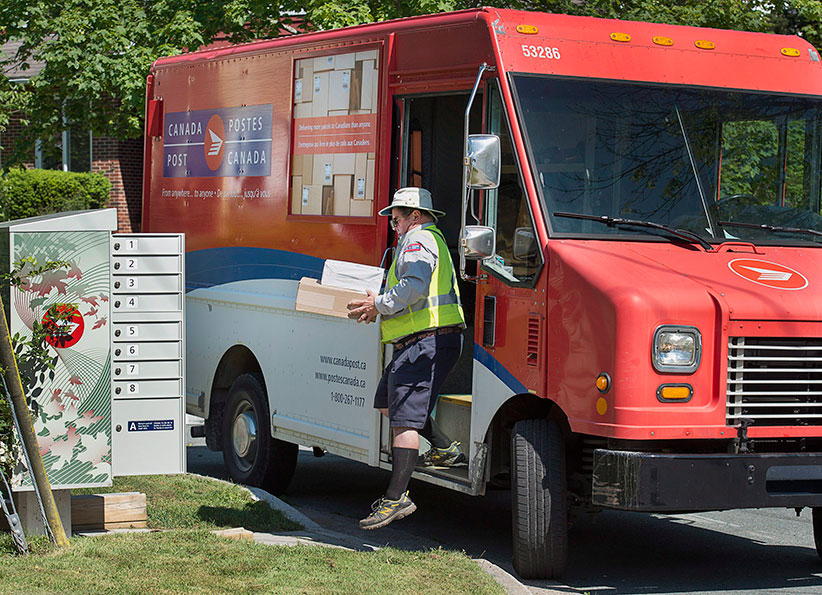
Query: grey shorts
{"points": [[410, 384]]}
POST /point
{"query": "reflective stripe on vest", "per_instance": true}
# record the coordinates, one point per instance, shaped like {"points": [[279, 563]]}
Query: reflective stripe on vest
{"points": [[441, 308]]}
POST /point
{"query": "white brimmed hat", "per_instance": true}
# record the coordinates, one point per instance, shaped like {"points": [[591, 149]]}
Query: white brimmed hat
{"points": [[413, 198]]}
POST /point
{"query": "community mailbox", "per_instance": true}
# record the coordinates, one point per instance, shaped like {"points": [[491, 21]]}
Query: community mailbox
{"points": [[75, 414], [147, 332]]}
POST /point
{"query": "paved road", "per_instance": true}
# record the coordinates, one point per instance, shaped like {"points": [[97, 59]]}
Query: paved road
{"points": [[728, 553]]}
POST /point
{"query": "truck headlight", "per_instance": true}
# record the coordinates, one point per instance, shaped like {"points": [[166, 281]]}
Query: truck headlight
{"points": [[677, 349]]}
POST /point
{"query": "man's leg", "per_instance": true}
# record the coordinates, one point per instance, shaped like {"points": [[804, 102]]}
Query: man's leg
{"points": [[444, 451], [404, 457], [396, 504]]}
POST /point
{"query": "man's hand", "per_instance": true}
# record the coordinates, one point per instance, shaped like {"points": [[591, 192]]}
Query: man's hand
{"points": [[363, 310]]}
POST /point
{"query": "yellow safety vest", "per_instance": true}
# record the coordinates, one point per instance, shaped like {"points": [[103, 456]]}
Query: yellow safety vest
{"points": [[442, 306]]}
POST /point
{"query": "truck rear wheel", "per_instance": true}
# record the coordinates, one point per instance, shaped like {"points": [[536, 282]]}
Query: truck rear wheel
{"points": [[251, 455], [538, 499]]}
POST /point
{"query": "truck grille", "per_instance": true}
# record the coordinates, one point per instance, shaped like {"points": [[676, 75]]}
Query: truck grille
{"points": [[775, 381]]}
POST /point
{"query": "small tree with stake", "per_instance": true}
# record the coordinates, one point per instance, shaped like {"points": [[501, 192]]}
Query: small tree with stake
{"points": [[21, 361]]}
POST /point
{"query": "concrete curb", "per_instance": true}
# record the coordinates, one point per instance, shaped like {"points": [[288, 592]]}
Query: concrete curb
{"points": [[504, 579]]}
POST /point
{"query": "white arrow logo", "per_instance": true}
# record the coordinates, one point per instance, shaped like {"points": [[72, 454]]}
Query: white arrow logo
{"points": [[769, 274], [67, 326], [216, 143]]}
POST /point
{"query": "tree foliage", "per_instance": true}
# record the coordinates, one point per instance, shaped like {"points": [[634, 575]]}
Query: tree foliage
{"points": [[98, 52]]}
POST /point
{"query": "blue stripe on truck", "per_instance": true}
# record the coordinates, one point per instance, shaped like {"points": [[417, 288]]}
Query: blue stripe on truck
{"points": [[488, 360], [216, 266]]}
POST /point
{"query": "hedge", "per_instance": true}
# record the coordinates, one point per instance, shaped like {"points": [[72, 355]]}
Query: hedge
{"points": [[31, 192]]}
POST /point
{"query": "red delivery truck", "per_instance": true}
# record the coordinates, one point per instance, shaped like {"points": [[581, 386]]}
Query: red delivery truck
{"points": [[635, 209]]}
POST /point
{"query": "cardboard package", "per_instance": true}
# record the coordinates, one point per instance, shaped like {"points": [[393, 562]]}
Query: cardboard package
{"points": [[339, 90], [343, 61], [368, 85], [324, 63], [299, 84], [361, 208], [319, 101], [307, 169], [369, 179], [296, 194], [342, 195], [303, 110], [312, 195], [344, 163], [352, 276], [328, 200], [367, 55], [322, 167], [321, 299]]}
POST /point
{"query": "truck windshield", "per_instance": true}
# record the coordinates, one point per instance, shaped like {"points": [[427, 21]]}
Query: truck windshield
{"points": [[688, 158]]}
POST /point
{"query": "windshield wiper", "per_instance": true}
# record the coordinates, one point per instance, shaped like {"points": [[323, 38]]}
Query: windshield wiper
{"points": [[682, 234], [766, 227]]}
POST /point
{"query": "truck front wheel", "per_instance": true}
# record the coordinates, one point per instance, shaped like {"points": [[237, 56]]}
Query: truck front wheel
{"points": [[817, 530], [538, 499], [251, 455]]}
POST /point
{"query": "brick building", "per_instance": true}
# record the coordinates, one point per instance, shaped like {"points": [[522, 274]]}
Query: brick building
{"points": [[121, 161]]}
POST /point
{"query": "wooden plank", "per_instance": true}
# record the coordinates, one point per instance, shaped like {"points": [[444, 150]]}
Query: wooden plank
{"points": [[108, 511]]}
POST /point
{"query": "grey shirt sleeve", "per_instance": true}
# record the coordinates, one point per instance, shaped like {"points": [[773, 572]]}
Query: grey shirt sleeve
{"points": [[415, 266]]}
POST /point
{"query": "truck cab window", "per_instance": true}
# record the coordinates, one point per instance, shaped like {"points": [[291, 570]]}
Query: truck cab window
{"points": [[517, 260]]}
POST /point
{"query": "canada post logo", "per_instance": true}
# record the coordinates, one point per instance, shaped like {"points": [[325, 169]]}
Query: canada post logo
{"points": [[767, 273], [226, 142]]}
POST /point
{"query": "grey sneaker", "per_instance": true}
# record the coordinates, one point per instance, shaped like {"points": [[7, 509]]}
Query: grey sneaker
{"points": [[383, 511], [443, 458]]}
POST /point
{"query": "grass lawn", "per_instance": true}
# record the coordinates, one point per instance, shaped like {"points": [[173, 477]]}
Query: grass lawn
{"points": [[189, 502], [190, 559]]}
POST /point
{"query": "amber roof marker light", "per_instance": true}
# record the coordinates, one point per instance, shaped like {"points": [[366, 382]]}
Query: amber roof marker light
{"points": [[527, 29]]}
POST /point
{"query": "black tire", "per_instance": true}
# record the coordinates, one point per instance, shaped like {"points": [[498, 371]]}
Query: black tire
{"points": [[539, 499], [817, 531], [251, 455]]}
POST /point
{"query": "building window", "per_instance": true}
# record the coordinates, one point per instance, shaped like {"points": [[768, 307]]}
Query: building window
{"points": [[71, 152]]}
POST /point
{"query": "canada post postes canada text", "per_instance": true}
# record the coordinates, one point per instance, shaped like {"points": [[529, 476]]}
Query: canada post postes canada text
{"points": [[224, 142]]}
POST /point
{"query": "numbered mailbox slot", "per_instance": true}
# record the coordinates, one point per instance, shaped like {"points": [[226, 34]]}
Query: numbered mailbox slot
{"points": [[147, 264], [147, 331], [147, 245], [147, 283], [139, 370], [161, 302], [138, 388], [148, 351]]}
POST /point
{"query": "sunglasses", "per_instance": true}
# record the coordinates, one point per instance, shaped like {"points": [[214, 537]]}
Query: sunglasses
{"points": [[395, 221]]}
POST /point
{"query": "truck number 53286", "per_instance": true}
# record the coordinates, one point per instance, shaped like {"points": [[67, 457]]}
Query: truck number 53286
{"points": [[538, 51]]}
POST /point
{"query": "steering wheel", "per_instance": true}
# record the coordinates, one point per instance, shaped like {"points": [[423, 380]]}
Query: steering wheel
{"points": [[736, 198], [735, 203]]}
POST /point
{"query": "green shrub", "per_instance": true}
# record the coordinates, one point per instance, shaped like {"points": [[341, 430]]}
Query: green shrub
{"points": [[31, 192]]}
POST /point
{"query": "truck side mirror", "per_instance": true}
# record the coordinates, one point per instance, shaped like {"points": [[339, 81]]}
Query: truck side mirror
{"points": [[478, 242], [484, 160]]}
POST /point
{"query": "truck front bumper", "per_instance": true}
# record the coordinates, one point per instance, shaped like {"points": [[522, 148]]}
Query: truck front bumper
{"points": [[689, 483]]}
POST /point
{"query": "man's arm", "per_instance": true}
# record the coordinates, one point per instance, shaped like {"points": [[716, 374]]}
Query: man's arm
{"points": [[414, 268]]}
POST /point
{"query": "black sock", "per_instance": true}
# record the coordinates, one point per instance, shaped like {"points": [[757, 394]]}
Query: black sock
{"points": [[403, 461], [434, 434]]}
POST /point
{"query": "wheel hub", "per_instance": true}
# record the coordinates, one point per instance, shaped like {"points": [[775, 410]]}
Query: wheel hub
{"points": [[244, 434]]}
